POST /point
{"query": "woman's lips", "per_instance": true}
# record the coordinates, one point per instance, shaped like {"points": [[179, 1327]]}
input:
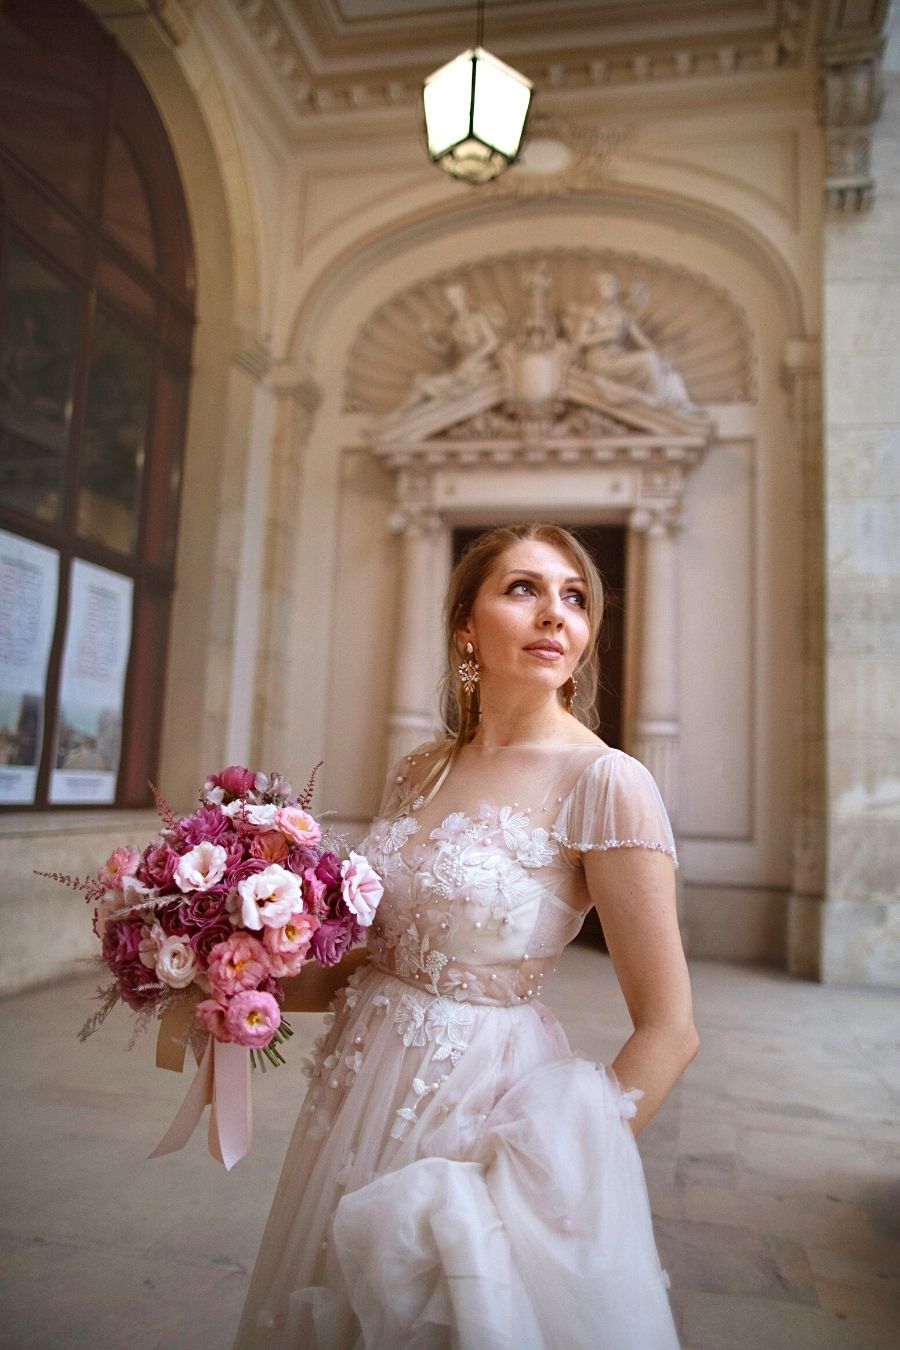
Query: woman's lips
{"points": [[545, 653]]}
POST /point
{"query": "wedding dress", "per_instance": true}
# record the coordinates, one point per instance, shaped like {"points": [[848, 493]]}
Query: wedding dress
{"points": [[458, 1180]]}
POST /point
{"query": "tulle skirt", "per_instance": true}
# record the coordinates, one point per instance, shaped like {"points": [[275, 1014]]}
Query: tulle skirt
{"points": [[457, 1185]]}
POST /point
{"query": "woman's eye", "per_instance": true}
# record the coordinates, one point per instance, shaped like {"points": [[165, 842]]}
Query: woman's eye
{"points": [[516, 584], [578, 597]]}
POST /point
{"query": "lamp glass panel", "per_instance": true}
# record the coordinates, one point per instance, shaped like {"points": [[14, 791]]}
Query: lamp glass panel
{"points": [[447, 97], [501, 104]]}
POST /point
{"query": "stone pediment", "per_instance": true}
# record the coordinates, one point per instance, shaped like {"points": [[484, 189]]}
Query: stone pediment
{"points": [[488, 423]]}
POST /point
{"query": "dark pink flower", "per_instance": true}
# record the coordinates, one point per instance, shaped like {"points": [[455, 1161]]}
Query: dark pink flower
{"points": [[333, 938], [235, 780], [313, 892], [248, 867], [300, 858], [122, 944], [204, 826], [158, 865], [200, 908], [203, 940], [138, 986], [328, 870]]}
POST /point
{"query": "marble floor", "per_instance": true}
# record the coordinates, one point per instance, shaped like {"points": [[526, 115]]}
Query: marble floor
{"points": [[773, 1170]]}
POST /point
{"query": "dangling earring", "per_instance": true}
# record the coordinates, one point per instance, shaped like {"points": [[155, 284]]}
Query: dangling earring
{"points": [[469, 670], [570, 689]]}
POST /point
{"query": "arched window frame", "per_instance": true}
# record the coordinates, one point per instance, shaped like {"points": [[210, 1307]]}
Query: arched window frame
{"points": [[68, 230]]}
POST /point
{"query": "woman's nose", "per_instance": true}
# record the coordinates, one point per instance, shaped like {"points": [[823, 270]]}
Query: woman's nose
{"points": [[554, 611]]}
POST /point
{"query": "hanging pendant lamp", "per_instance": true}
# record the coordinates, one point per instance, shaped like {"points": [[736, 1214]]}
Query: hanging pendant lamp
{"points": [[475, 112]]}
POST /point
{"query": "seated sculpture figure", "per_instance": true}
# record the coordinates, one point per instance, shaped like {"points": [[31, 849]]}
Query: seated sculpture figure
{"points": [[613, 348], [472, 340]]}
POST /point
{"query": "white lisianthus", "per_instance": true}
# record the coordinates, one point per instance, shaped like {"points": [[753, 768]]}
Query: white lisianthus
{"points": [[213, 795], [261, 814], [270, 897], [361, 888], [176, 962], [201, 867]]}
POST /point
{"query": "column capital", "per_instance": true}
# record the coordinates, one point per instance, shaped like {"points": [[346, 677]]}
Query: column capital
{"points": [[657, 521]]}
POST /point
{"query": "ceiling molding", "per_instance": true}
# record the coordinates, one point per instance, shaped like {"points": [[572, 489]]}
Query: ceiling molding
{"points": [[325, 62]]}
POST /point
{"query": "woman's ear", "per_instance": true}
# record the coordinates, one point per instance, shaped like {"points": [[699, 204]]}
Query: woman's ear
{"points": [[464, 635]]}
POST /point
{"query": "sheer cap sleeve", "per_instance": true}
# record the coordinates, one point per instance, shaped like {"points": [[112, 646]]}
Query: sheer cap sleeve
{"points": [[615, 803]]}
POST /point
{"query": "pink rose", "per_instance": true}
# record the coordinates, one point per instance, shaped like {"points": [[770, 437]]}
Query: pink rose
{"points": [[361, 888], [122, 862], [205, 940], [333, 938], [158, 865], [252, 1018], [235, 780], [298, 825], [287, 947], [176, 962], [122, 944], [270, 845], [236, 964], [211, 1016]]}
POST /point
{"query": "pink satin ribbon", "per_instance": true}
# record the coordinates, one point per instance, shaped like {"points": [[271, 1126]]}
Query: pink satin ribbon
{"points": [[222, 1082]]}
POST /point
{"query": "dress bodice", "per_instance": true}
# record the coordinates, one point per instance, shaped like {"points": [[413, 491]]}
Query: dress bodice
{"points": [[481, 899]]}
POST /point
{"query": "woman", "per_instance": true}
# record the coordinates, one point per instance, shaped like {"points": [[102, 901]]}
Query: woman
{"points": [[457, 1178]]}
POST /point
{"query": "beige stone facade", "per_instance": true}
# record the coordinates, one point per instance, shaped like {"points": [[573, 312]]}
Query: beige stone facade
{"points": [[696, 158]]}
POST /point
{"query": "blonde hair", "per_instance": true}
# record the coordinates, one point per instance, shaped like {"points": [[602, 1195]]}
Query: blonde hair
{"points": [[462, 711]]}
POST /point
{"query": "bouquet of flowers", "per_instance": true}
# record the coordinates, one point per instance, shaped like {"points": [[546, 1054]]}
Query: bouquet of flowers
{"points": [[202, 927]]}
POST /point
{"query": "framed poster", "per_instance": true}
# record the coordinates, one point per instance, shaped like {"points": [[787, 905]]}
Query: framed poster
{"points": [[92, 686], [29, 580]]}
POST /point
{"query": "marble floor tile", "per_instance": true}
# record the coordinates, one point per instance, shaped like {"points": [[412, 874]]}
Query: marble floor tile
{"points": [[773, 1170]]}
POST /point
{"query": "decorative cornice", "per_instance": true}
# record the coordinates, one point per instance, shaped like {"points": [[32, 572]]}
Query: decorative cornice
{"points": [[850, 98], [344, 79]]}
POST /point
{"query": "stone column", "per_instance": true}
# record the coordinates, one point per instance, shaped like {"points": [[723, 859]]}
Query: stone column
{"points": [[802, 377], [414, 715], [656, 729], [278, 677]]}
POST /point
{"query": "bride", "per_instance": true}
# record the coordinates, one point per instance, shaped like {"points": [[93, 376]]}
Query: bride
{"points": [[457, 1179]]}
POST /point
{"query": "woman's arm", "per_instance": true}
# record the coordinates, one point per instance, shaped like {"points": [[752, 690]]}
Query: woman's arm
{"points": [[314, 988], [633, 890]]}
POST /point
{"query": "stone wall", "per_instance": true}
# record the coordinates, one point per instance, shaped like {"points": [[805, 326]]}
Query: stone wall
{"points": [[861, 928]]}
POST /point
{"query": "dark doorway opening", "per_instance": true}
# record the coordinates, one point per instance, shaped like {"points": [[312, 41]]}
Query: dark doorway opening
{"points": [[606, 545]]}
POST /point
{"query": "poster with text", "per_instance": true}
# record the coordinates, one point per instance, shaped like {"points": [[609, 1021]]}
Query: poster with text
{"points": [[29, 579], [92, 686]]}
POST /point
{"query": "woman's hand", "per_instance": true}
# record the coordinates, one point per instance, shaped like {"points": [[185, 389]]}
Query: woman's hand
{"points": [[315, 987], [633, 890]]}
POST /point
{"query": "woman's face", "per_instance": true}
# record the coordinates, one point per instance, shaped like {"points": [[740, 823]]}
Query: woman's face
{"points": [[529, 625]]}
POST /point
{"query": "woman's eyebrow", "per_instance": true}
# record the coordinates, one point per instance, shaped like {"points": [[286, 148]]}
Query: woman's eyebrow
{"points": [[538, 576]]}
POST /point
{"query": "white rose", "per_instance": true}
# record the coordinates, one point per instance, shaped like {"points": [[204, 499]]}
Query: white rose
{"points": [[270, 897], [201, 867], [176, 962]]}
